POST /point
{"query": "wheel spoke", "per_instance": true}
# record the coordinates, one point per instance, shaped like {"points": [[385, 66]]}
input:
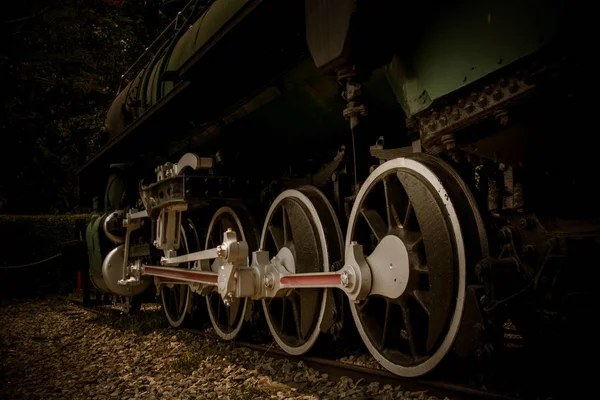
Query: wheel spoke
{"points": [[287, 228], [410, 218], [294, 300], [375, 222], [408, 325], [386, 324], [233, 312], [283, 313], [394, 201], [278, 236], [309, 300], [182, 292]]}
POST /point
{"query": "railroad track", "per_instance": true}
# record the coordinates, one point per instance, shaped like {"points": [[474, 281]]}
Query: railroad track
{"points": [[337, 369]]}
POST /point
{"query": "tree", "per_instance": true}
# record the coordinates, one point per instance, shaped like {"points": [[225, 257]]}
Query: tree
{"points": [[60, 67]]}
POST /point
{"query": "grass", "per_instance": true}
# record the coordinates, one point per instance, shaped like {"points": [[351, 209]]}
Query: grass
{"points": [[141, 323]]}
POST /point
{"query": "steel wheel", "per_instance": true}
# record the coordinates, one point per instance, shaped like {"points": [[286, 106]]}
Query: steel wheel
{"points": [[300, 224], [405, 202], [176, 300], [228, 321]]}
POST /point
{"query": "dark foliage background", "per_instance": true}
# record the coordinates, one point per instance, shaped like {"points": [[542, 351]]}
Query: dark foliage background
{"points": [[60, 66]]}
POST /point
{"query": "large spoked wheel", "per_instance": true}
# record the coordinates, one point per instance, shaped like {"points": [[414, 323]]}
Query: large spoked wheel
{"points": [[412, 203], [176, 299], [228, 321], [301, 229]]}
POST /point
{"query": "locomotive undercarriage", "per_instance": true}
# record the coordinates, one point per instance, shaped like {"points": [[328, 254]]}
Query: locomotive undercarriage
{"points": [[441, 252]]}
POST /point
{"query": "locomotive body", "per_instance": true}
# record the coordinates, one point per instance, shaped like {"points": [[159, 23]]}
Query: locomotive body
{"points": [[397, 154]]}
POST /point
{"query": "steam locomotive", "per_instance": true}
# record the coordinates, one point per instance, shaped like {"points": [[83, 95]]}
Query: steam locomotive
{"points": [[415, 167]]}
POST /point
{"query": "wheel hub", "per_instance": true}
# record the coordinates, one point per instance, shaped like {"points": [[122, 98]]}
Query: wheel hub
{"points": [[390, 270], [285, 258]]}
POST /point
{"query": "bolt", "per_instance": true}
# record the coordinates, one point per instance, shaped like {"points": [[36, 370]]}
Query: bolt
{"points": [[505, 234], [434, 114], [443, 120], [460, 103], [469, 107], [474, 96], [448, 109], [487, 89], [432, 125], [527, 223], [482, 101], [512, 86], [346, 279], [497, 95], [502, 82], [455, 114], [268, 281]]}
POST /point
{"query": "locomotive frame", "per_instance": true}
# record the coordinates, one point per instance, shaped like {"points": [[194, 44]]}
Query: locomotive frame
{"points": [[437, 233]]}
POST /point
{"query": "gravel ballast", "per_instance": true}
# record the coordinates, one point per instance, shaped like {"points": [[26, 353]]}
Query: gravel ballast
{"points": [[51, 349]]}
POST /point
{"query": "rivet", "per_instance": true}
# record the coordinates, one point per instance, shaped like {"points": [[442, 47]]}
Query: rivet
{"points": [[455, 114], [502, 82], [443, 120], [512, 86], [434, 114], [469, 107], [448, 109], [460, 103], [482, 101], [473, 96], [497, 94], [432, 125], [487, 89]]}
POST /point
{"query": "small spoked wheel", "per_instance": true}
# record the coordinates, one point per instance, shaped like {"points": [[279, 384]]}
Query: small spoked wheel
{"points": [[302, 231], [405, 217], [228, 321], [177, 298]]}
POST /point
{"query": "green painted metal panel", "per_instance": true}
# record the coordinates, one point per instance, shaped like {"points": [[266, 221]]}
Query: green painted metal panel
{"points": [[204, 29], [460, 42]]}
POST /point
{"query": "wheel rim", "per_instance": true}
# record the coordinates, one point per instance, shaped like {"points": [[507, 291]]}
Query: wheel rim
{"points": [[227, 321], [404, 199], [176, 300], [295, 226]]}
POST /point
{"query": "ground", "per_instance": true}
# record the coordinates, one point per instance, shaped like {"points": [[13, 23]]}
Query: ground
{"points": [[51, 349]]}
